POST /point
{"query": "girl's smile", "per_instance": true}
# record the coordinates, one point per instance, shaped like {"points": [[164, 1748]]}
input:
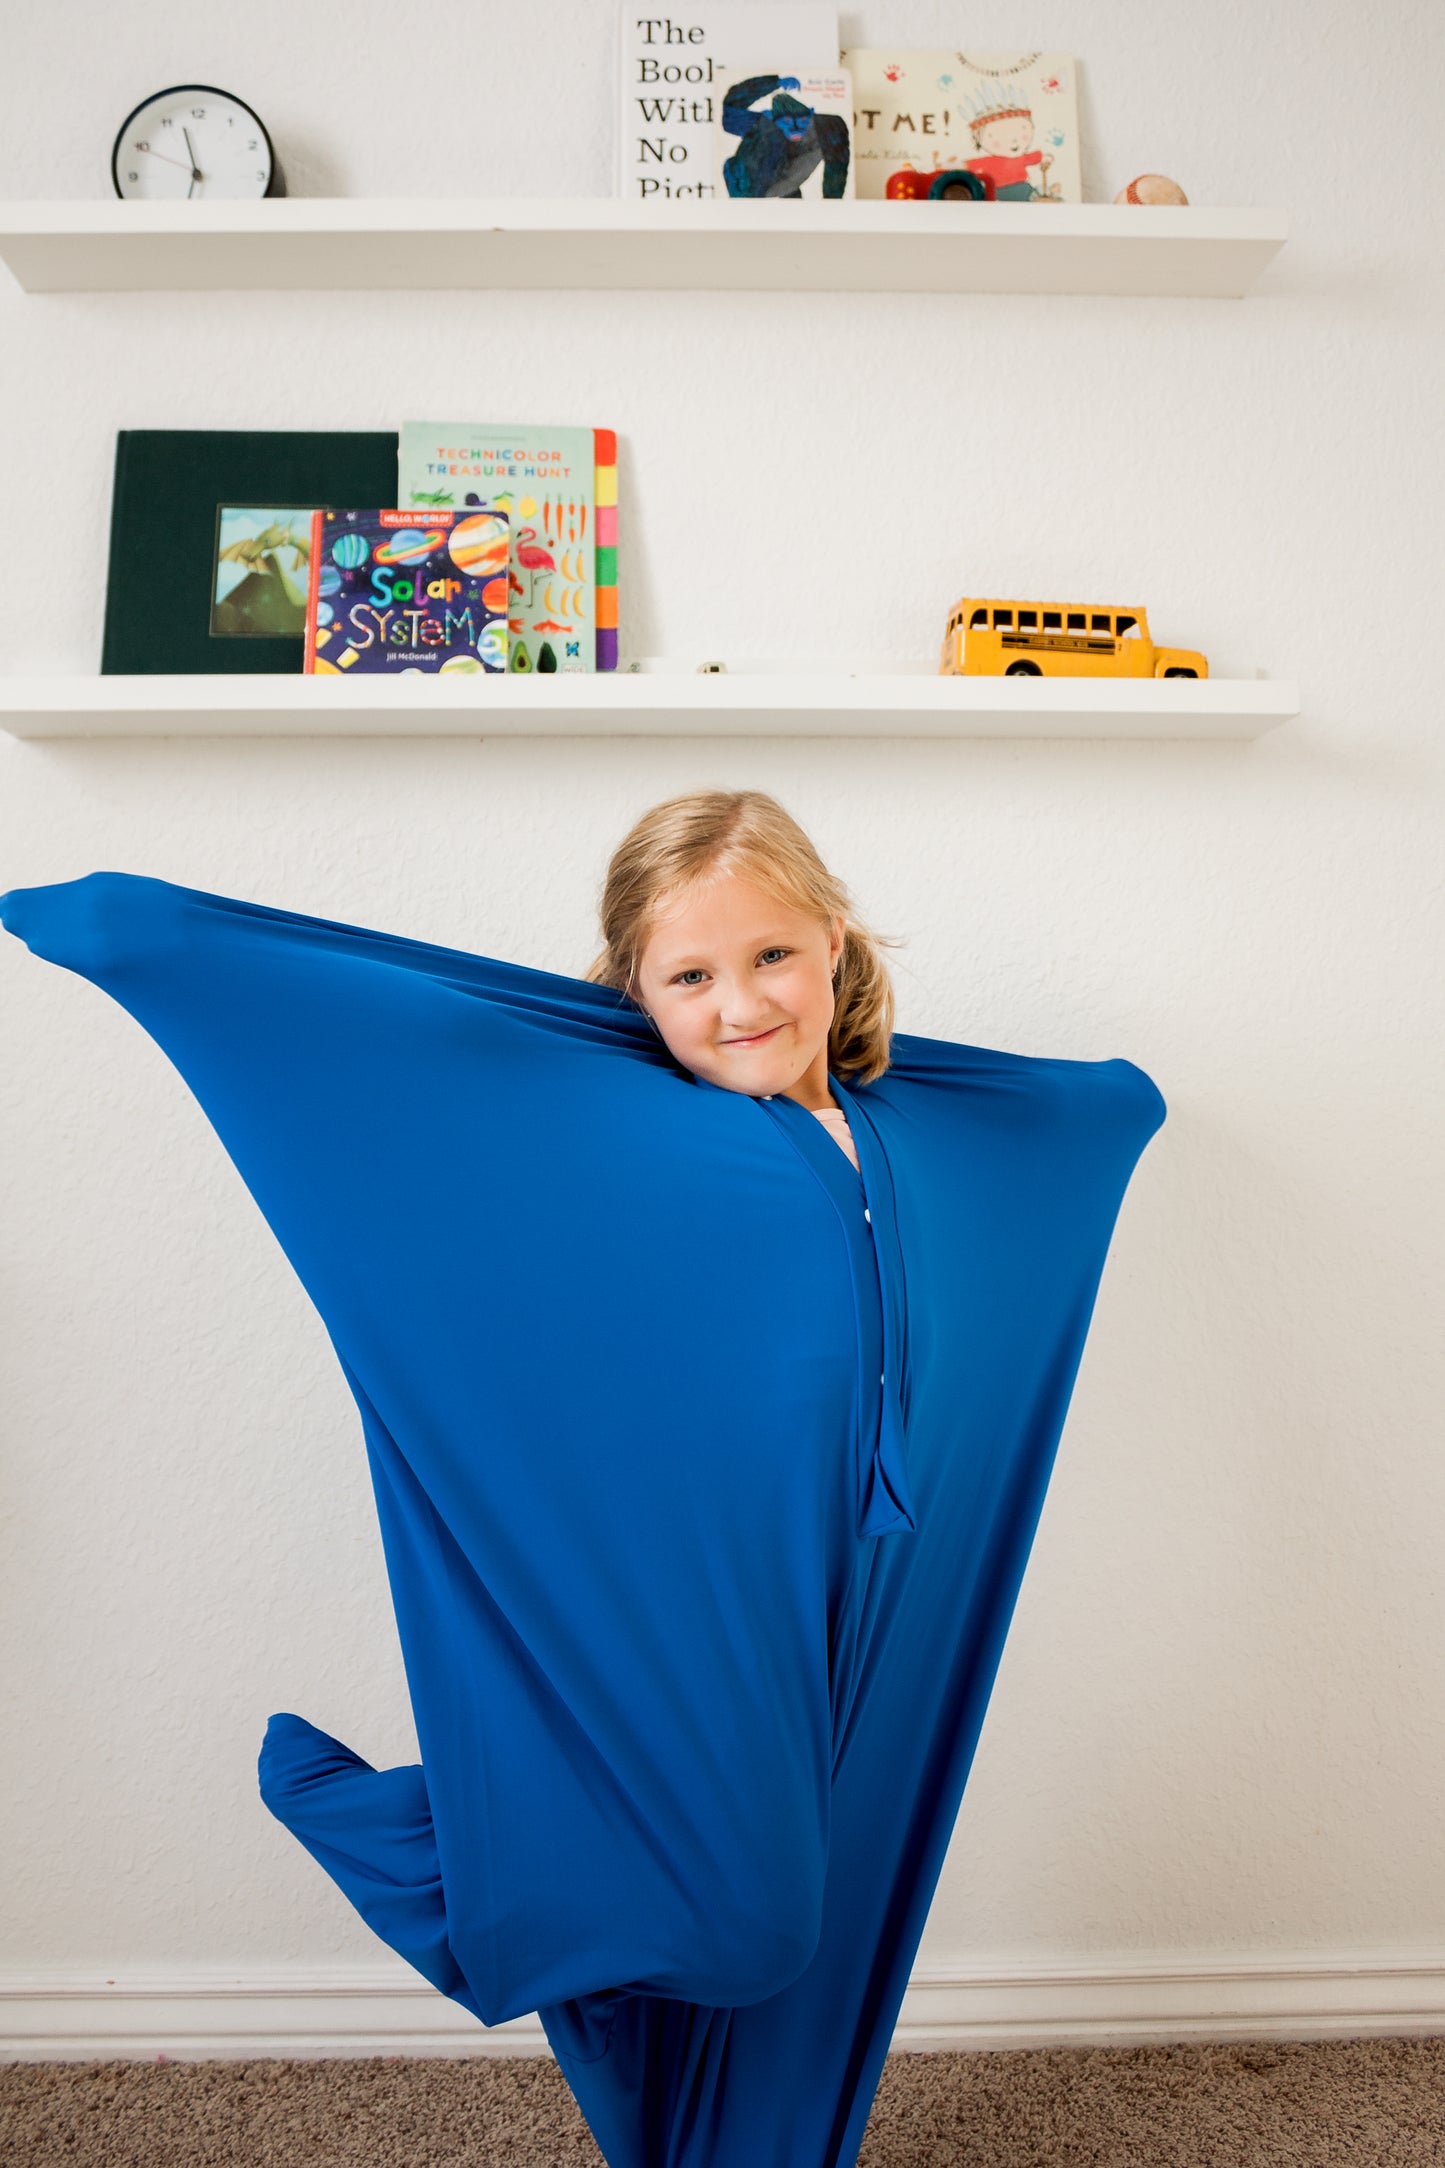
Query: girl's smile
{"points": [[756, 1039]]}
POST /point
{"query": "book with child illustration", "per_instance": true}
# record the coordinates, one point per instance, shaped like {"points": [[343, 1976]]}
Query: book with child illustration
{"points": [[391, 591], [1011, 119], [558, 487]]}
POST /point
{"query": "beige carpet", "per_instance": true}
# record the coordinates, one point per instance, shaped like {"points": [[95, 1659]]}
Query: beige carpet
{"points": [[1367, 2103]]}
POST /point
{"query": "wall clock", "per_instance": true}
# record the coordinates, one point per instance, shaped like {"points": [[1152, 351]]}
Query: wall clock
{"points": [[194, 143]]}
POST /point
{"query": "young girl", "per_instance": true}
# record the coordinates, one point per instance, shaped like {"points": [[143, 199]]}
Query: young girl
{"points": [[712, 1342], [723, 923]]}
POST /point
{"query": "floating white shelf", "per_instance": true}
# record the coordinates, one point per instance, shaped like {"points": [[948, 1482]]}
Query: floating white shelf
{"points": [[330, 243], [651, 703]]}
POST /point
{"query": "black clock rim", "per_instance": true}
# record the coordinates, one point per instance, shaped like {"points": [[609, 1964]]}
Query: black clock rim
{"points": [[212, 90]]}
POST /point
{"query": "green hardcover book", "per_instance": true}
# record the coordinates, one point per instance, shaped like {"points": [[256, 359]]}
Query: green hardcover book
{"points": [[210, 537]]}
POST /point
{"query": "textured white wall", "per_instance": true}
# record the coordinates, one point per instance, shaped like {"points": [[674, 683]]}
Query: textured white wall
{"points": [[1220, 1720]]}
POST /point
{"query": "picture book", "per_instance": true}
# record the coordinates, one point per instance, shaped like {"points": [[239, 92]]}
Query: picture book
{"points": [[1009, 118], [393, 592], [668, 91], [785, 135], [210, 539], [559, 488]]}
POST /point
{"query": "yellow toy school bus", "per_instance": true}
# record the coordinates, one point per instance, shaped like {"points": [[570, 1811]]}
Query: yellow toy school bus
{"points": [[1057, 639]]}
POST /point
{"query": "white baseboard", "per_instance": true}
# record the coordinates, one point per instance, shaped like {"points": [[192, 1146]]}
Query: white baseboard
{"points": [[199, 2012]]}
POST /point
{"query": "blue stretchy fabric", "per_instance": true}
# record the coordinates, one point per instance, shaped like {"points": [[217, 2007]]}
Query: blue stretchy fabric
{"points": [[707, 1470]]}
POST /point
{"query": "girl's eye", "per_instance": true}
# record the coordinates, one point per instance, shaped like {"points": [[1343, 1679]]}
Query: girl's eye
{"points": [[695, 972]]}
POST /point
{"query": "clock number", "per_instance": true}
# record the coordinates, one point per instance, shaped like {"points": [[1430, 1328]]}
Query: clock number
{"points": [[132, 176], [166, 121], [253, 145], [260, 173], [198, 112]]}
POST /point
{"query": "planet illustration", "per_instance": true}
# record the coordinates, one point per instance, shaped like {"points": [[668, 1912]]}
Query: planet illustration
{"points": [[479, 545], [494, 594], [408, 546], [459, 666], [351, 549], [324, 613], [328, 580], [492, 646]]}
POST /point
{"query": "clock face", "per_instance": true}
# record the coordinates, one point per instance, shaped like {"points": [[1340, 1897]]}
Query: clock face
{"points": [[193, 143]]}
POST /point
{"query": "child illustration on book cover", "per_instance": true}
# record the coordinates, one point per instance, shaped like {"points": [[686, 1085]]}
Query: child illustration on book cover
{"points": [[1002, 127]]}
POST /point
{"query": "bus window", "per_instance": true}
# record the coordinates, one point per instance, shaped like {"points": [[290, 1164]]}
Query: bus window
{"points": [[1077, 621], [979, 621], [1129, 627], [1053, 622], [1003, 620], [1028, 620], [1101, 624]]}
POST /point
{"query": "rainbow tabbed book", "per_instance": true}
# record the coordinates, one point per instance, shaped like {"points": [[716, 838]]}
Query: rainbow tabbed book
{"points": [[559, 488], [392, 591]]}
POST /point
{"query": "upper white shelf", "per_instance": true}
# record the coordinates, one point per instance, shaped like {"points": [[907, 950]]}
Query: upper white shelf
{"points": [[333, 243], [662, 702]]}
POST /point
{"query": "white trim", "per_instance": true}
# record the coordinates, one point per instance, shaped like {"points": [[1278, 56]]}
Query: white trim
{"points": [[192, 2013]]}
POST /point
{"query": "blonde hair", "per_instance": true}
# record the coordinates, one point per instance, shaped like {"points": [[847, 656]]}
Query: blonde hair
{"points": [[705, 832]]}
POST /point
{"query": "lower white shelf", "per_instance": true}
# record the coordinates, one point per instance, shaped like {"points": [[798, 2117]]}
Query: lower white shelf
{"points": [[650, 703]]}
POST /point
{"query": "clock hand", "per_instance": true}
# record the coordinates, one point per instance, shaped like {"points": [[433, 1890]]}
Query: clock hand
{"points": [[196, 173], [164, 160]]}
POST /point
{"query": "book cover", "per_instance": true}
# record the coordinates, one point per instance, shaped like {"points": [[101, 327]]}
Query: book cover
{"points": [[1011, 118], [208, 534], [559, 487], [668, 95], [390, 592], [785, 135]]}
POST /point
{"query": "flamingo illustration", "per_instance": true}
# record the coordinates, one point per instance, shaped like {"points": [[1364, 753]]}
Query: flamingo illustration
{"points": [[532, 558]]}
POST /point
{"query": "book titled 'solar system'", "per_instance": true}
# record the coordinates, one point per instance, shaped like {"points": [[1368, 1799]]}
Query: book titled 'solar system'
{"points": [[405, 593], [559, 487], [209, 538]]}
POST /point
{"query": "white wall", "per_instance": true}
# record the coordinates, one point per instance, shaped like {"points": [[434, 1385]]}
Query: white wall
{"points": [[1219, 1726]]}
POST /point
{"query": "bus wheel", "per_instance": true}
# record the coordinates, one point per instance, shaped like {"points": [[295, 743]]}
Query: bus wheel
{"points": [[1181, 673], [1023, 669]]}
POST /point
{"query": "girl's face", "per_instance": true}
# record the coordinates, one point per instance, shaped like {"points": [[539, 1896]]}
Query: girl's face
{"points": [[741, 987]]}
